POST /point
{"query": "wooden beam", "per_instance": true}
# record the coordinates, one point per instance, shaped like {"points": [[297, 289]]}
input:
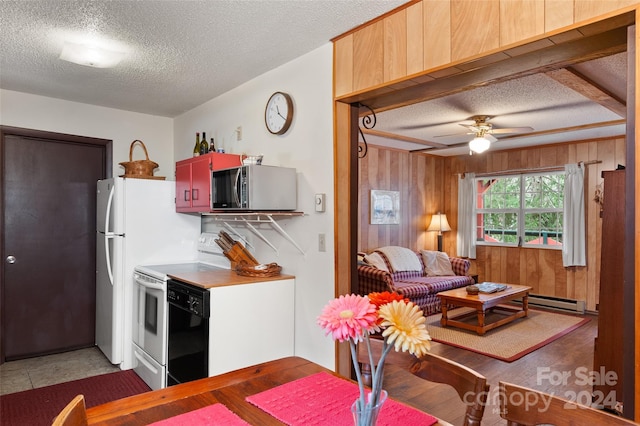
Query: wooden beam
{"points": [[538, 133], [543, 60], [567, 129], [589, 89], [403, 138]]}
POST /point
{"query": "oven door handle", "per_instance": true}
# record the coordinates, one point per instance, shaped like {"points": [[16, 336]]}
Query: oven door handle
{"points": [[149, 284]]}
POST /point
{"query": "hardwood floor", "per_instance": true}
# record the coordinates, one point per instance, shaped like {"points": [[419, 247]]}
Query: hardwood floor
{"points": [[571, 355], [567, 354]]}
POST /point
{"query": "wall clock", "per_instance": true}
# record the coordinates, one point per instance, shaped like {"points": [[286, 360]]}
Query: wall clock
{"points": [[278, 114]]}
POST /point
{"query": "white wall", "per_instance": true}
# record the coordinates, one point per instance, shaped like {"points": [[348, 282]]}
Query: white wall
{"points": [[28, 111], [308, 147]]}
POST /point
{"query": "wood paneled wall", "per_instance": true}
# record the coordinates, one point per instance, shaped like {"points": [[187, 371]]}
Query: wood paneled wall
{"points": [[429, 34], [418, 178], [429, 184], [435, 39], [541, 268]]}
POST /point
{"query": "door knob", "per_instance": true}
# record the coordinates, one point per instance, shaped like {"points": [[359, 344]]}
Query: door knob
{"points": [[11, 259]]}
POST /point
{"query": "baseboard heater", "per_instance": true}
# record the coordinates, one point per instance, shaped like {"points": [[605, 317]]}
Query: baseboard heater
{"points": [[556, 303]]}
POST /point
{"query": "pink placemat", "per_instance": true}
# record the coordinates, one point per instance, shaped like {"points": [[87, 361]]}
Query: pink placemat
{"points": [[324, 399], [216, 414]]}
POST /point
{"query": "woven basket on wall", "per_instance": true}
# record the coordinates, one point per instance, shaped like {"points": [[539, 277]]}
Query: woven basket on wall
{"points": [[139, 168]]}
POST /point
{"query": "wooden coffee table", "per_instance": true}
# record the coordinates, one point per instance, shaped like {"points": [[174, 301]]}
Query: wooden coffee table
{"points": [[481, 303]]}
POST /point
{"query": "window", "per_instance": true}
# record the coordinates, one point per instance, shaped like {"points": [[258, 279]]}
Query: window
{"points": [[522, 210]]}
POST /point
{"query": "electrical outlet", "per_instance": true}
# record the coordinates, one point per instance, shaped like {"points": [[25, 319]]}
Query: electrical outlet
{"points": [[322, 243], [239, 133]]}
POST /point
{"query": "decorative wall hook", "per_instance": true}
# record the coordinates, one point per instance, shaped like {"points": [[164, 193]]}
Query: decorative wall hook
{"points": [[368, 122]]}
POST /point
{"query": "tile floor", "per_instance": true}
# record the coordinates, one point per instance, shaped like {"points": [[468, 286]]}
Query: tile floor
{"points": [[31, 373]]}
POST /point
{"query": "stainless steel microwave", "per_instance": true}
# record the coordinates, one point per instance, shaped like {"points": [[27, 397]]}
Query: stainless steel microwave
{"points": [[254, 188]]}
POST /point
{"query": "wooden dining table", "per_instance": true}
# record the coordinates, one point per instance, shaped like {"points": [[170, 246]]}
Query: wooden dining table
{"points": [[229, 389]]}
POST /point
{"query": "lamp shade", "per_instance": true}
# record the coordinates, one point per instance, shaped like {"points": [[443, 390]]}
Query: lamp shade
{"points": [[439, 223], [479, 144]]}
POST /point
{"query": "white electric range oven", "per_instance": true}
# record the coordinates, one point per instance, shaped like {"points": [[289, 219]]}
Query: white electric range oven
{"points": [[150, 318], [150, 310]]}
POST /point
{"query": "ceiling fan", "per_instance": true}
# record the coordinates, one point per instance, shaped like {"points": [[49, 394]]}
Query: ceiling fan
{"points": [[484, 131]]}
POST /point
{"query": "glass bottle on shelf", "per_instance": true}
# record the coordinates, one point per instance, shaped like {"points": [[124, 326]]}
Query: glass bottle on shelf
{"points": [[212, 147], [204, 146], [196, 149]]}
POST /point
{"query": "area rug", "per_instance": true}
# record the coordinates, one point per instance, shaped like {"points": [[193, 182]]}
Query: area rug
{"points": [[508, 342], [40, 406]]}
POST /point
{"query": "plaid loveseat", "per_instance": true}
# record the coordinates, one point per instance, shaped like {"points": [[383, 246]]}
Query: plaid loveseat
{"points": [[414, 284]]}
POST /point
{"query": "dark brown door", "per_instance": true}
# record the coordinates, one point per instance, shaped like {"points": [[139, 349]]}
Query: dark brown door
{"points": [[49, 208]]}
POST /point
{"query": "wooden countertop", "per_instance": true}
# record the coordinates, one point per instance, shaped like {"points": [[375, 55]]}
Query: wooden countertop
{"points": [[222, 278]]}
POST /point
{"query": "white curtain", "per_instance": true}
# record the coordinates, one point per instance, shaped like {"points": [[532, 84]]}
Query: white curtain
{"points": [[573, 245], [466, 219]]}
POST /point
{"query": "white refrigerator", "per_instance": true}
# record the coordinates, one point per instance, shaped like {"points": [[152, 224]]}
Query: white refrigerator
{"points": [[136, 224]]}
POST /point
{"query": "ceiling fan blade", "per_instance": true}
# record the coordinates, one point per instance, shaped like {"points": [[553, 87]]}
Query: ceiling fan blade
{"points": [[472, 131], [512, 130], [472, 126], [455, 134]]}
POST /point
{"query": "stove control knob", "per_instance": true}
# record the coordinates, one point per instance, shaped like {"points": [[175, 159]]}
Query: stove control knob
{"points": [[193, 305]]}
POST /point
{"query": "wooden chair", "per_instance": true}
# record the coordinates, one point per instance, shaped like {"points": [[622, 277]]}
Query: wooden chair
{"points": [[74, 414], [524, 406], [471, 386]]}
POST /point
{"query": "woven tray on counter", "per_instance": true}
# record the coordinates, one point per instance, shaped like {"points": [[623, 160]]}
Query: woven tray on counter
{"points": [[262, 270]]}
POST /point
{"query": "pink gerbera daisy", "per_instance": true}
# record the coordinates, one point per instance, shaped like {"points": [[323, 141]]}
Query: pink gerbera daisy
{"points": [[348, 317]]}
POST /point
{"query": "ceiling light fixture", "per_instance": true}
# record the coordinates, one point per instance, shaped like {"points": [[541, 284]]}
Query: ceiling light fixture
{"points": [[91, 56], [479, 144]]}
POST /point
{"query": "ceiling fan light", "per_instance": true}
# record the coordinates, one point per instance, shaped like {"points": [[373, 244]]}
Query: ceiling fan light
{"points": [[479, 145]]}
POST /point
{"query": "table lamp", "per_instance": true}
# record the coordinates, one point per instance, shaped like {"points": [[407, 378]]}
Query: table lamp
{"points": [[439, 223]]}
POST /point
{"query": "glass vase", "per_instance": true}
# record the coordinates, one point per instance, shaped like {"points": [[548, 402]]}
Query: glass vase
{"points": [[367, 415]]}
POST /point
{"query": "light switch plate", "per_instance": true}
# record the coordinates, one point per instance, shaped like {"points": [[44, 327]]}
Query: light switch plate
{"points": [[320, 202]]}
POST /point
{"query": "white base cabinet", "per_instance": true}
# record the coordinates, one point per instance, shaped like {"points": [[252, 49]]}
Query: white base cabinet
{"points": [[250, 324]]}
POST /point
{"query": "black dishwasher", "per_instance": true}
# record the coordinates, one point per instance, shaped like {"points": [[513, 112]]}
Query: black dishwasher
{"points": [[188, 332]]}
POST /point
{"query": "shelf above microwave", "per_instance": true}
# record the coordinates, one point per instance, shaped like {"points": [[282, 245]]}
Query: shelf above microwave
{"points": [[250, 218]]}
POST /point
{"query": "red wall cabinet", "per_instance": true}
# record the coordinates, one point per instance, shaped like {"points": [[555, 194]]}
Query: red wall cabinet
{"points": [[193, 180]]}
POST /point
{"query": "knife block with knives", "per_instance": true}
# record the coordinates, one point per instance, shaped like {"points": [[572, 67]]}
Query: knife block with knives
{"points": [[242, 261], [235, 251]]}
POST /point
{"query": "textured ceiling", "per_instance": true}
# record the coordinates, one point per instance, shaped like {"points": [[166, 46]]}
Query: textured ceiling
{"points": [[180, 54], [537, 101]]}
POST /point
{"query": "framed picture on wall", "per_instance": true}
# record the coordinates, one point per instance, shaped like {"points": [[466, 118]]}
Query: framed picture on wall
{"points": [[385, 207]]}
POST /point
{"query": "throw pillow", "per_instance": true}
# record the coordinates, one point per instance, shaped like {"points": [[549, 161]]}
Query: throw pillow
{"points": [[436, 263], [375, 259]]}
